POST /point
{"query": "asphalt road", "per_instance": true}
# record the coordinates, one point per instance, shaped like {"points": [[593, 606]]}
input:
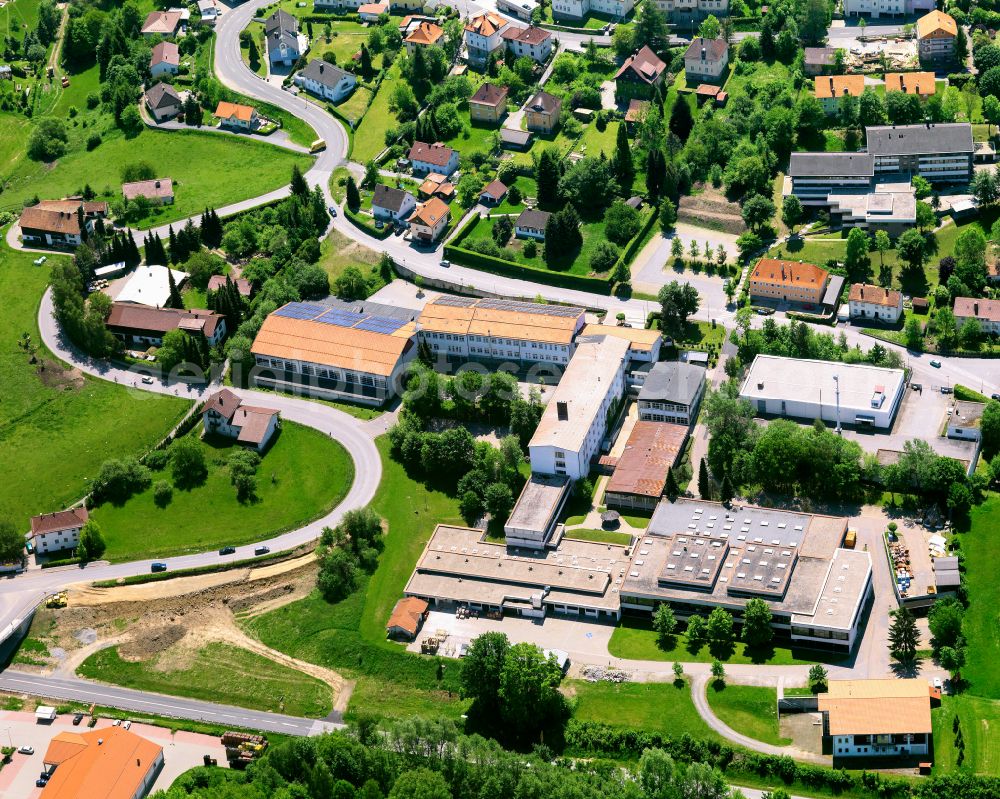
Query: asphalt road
{"points": [[72, 689]]}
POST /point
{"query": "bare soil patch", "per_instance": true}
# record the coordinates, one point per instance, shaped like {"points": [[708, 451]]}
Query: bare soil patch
{"points": [[711, 209]]}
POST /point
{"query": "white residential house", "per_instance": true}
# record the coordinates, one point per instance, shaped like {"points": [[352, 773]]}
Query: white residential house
{"points": [[163, 102], [875, 303], [165, 60], [393, 204], [876, 9], [965, 420], [209, 11], [54, 532], [429, 220], [986, 312], [531, 224], [226, 415], [535, 43], [578, 9], [705, 60], [484, 35], [685, 13], [281, 30], [427, 158], [326, 80]]}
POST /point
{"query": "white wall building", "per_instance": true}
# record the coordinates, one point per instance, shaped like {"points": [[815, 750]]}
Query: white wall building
{"points": [[875, 303], [465, 329], [986, 312], [326, 80], [53, 532], [681, 12], [575, 421], [877, 718], [578, 9], [801, 388], [876, 9]]}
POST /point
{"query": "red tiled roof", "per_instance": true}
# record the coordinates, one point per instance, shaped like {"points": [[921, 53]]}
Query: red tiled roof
{"points": [[407, 615], [644, 64], [60, 520], [436, 154]]}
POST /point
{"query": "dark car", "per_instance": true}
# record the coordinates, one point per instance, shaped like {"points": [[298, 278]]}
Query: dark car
{"points": [[77, 719], [41, 783], [261, 550], [158, 567], [995, 396], [227, 550]]}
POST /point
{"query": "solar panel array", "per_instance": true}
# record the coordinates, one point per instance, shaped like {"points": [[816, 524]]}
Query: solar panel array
{"points": [[530, 307], [299, 310], [310, 312], [455, 302]]}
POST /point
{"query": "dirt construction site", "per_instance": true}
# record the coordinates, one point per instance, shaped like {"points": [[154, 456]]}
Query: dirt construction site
{"points": [[167, 621]]}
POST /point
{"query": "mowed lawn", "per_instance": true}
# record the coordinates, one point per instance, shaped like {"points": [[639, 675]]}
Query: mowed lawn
{"points": [[345, 41], [58, 427], [981, 626], [369, 138], [301, 476], [218, 673], [635, 639], [979, 722], [749, 709], [208, 169], [18, 16], [14, 130], [593, 142], [349, 636], [664, 708]]}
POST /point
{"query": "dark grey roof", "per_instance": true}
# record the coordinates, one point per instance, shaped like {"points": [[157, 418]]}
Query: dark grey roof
{"points": [[920, 139], [513, 136], [808, 165], [672, 381], [282, 20], [328, 75], [531, 218], [389, 197], [162, 95]]}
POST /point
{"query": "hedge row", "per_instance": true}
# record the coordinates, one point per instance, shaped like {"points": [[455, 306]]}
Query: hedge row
{"points": [[361, 222], [500, 266], [633, 246], [61, 562], [155, 577]]}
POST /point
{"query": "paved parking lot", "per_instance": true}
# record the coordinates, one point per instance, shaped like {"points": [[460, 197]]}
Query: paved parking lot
{"points": [[181, 750]]}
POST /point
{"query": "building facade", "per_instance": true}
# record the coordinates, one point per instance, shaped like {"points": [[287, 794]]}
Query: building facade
{"points": [[877, 718], [875, 303], [876, 9], [281, 31], [141, 327], [426, 158], [830, 89], [936, 35], [575, 422], [941, 153], [671, 392], [639, 77], [788, 281], [225, 415], [706, 60], [488, 106], [326, 80], [429, 220], [392, 204], [578, 9], [55, 532], [986, 312], [531, 224], [534, 43], [685, 14], [484, 36], [542, 113]]}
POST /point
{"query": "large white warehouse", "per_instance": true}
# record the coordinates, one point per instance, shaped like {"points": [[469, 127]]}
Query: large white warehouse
{"points": [[853, 394]]}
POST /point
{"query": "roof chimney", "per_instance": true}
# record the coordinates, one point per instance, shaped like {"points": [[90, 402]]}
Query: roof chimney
{"points": [[975, 308], [562, 411]]}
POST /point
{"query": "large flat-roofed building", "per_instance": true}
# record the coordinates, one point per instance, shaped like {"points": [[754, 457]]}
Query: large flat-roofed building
{"points": [[876, 718], [575, 421], [465, 328], [814, 176], [695, 555], [113, 763], [533, 520], [801, 388], [333, 352], [643, 345], [939, 152], [640, 475], [699, 555], [891, 207], [671, 392], [788, 281]]}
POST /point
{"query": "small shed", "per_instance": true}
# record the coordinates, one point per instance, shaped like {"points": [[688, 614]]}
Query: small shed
{"points": [[407, 618]]}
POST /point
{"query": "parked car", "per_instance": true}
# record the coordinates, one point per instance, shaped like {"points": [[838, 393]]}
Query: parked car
{"points": [[917, 386], [938, 684], [118, 723], [995, 396], [947, 390], [40, 783], [26, 750], [227, 550], [158, 567], [936, 363], [147, 380], [333, 210], [446, 264], [261, 550], [127, 725], [77, 718]]}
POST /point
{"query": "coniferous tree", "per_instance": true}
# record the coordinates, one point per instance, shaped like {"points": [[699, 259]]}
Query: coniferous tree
{"points": [[353, 195], [548, 174], [172, 244], [132, 255], [704, 482], [155, 253], [366, 62], [681, 121], [655, 169], [672, 490], [174, 300], [624, 168], [903, 635], [726, 490], [299, 187]]}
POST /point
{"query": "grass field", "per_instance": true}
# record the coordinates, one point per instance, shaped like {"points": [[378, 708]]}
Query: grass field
{"points": [[241, 169], [17, 17], [656, 707], [979, 721], [980, 626], [635, 639], [749, 709], [55, 428], [218, 673], [600, 536], [473, 137], [301, 476], [346, 40], [13, 142], [369, 138], [355, 105], [594, 142], [592, 232], [350, 636], [255, 56]]}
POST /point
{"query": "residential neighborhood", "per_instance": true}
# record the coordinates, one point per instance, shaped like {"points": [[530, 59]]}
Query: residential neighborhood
{"points": [[529, 398]]}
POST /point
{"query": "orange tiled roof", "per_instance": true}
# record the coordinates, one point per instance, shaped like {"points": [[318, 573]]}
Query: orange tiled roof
{"points": [[922, 83], [112, 763], [788, 273], [486, 24], [839, 85], [936, 22], [425, 33], [244, 113]]}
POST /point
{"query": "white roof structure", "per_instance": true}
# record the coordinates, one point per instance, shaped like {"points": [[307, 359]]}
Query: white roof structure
{"points": [[584, 385], [149, 285]]}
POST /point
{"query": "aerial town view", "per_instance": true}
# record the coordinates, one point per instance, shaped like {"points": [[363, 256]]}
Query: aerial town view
{"points": [[500, 399]]}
